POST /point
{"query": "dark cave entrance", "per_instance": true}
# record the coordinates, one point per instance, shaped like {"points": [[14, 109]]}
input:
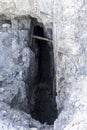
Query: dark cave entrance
{"points": [[44, 107]]}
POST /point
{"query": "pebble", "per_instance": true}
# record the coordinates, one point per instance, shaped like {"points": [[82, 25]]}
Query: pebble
{"points": [[33, 129], [2, 90], [1, 78], [6, 25], [4, 113]]}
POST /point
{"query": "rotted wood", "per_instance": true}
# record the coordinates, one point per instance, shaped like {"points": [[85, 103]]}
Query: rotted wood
{"points": [[41, 38]]}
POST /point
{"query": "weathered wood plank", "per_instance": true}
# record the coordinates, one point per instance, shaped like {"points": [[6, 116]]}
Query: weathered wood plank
{"points": [[41, 38]]}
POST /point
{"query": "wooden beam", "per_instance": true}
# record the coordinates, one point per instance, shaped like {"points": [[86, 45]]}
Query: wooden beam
{"points": [[41, 38]]}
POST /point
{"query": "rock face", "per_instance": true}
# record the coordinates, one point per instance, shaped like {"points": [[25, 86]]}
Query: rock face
{"points": [[13, 65], [70, 36], [18, 75], [68, 22]]}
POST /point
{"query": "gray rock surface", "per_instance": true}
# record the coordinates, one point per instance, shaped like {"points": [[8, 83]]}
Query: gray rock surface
{"points": [[13, 65], [69, 20], [70, 36], [18, 70]]}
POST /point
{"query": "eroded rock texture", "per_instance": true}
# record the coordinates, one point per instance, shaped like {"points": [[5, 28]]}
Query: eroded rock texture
{"points": [[13, 66], [71, 41], [68, 21], [19, 78]]}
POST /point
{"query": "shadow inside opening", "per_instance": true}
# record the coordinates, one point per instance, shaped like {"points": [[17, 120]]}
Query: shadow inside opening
{"points": [[45, 109]]}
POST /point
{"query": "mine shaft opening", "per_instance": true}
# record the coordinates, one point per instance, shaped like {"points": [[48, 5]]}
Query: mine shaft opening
{"points": [[44, 109]]}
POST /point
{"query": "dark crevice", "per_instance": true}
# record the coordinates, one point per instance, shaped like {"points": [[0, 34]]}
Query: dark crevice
{"points": [[8, 21], [44, 107]]}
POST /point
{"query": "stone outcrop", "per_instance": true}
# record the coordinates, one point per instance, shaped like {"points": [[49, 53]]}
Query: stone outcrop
{"points": [[68, 22], [18, 74]]}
